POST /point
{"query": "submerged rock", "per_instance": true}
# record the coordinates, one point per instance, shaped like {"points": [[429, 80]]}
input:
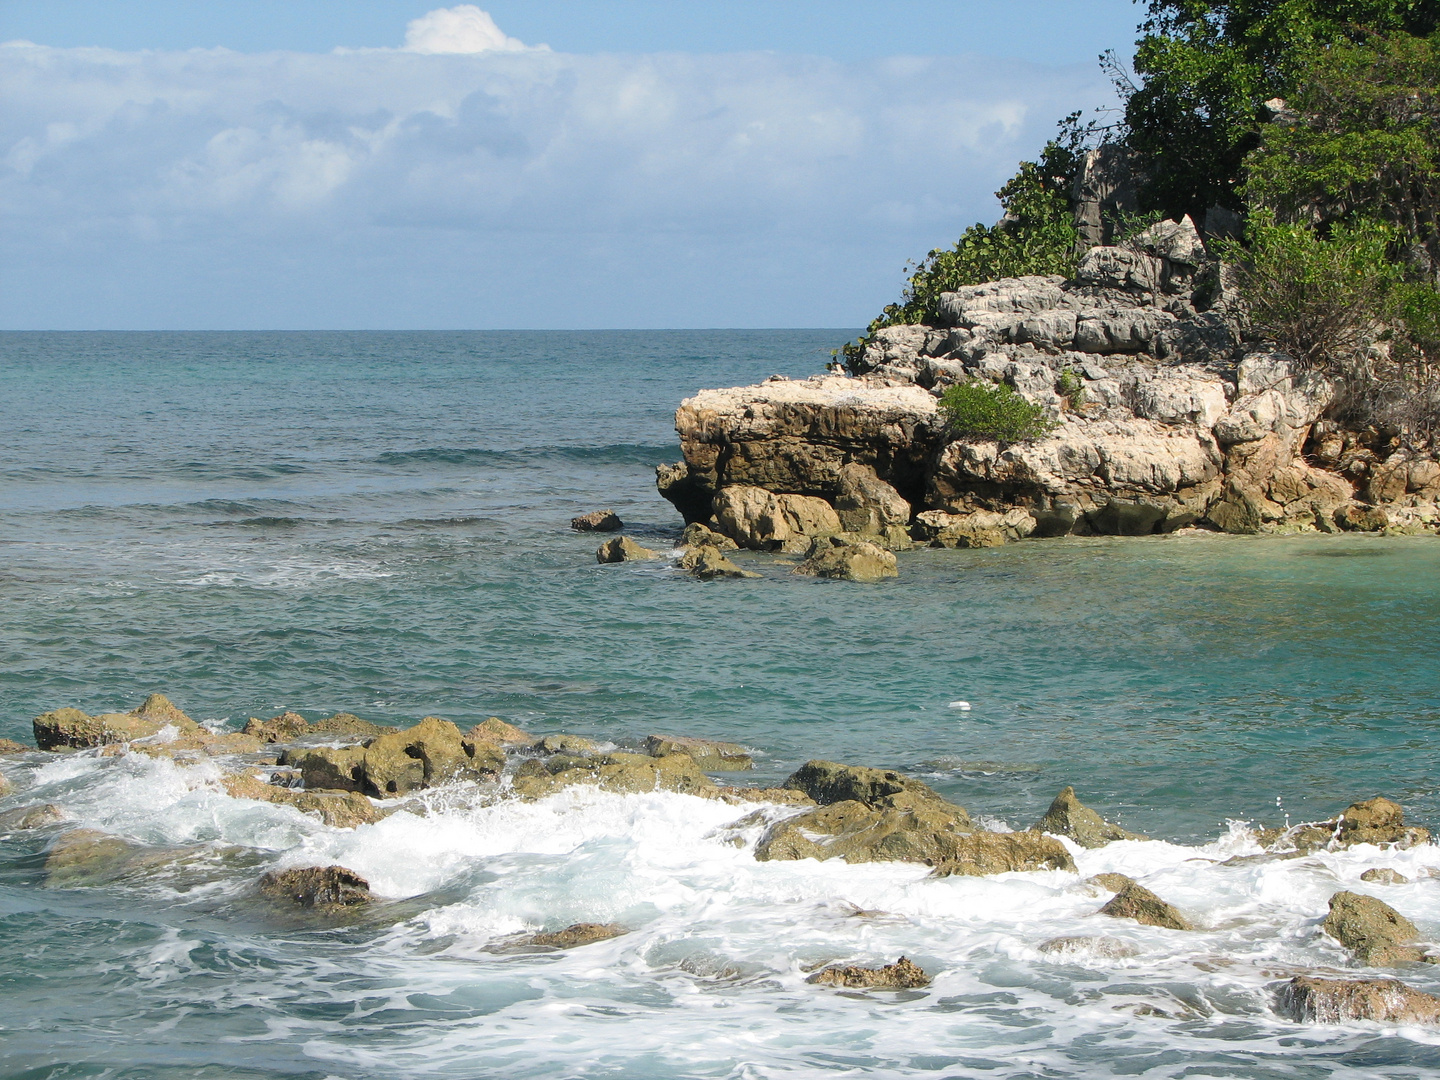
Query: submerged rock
{"points": [[35, 816], [780, 796], [619, 772], [1088, 948], [287, 727], [85, 854], [623, 549], [1134, 901], [597, 521], [1068, 816], [1375, 933], [72, 729], [6, 787], [848, 559], [709, 755], [707, 563], [1338, 1001], [575, 935], [904, 974], [1384, 875], [316, 886]]}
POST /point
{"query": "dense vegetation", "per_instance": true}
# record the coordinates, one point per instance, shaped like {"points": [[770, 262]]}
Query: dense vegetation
{"points": [[979, 409], [1339, 183]]}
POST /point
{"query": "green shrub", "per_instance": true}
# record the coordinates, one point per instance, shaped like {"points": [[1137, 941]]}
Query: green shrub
{"points": [[978, 409], [1071, 387]]}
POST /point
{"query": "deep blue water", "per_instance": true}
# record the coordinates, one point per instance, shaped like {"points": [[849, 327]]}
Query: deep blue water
{"points": [[378, 523]]}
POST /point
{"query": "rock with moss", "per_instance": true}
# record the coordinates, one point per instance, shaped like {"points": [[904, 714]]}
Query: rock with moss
{"points": [[1375, 933], [623, 549], [1377, 821], [287, 727], [563, 744], [1134, 901], [848, 559], [431, 753], [904, 974], [981, 853], [86, 856], [330, 768], [1069, 817], [1309, 999], [66, 729], [708, 563], [710, 755], [830, 782], [316, 887], [619, 772], [575, 935]]}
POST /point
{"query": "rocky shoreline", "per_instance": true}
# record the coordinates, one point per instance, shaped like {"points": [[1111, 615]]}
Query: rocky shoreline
{"points": [[1168, 414], [351, 773]]}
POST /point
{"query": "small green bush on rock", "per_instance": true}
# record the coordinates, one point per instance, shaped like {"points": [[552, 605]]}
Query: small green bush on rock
{"points": [[978, 409]]}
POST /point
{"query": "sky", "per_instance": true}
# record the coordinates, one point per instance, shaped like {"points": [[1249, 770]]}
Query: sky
{"points": [[383, 164]]}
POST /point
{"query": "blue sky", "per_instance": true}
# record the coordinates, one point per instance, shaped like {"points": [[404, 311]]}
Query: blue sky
{"points": [[574, 163]]}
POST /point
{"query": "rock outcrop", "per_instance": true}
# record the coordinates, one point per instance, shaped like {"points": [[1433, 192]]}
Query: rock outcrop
{"points": [[338, 809], [619, 772], [316, 887], [1338, 1001], [1134, 901], [66, 729], [1068, 816], [1166, 415], [904, 974], [597, 521], [1375, 821], [1375, 933], [708, 562], [623, 549], [287, 727], [399, 762], [847, 558]]}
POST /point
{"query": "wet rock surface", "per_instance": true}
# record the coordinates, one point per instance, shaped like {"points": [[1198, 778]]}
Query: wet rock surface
{"points": [[1337, 1001], [1384, 875], [619, 772], [623, 549], [904, 974], [576, 935], [287, 727], [316, 887], [37, 816], [1134, 901], [848, 559], [597, 521], [709, 755], [981, 853], [398, 762], [1375, 933], [339, 809], [73, 729], [1377, 821], [1068, 816], [1088, 948]]}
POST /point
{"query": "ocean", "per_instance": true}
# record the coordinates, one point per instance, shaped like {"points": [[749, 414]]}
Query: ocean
{"points": [[379, 523]]}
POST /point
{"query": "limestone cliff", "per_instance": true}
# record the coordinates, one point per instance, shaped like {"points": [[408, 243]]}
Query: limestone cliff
{"points": [[1166, 415]]}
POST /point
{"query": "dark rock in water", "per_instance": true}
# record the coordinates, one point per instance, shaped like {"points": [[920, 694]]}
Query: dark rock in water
{"points": [[1068, 816], [1120, 517], [1088, 948], [1384, 875], [1113, 882], [10, 746], [904, 974], [847, 559], [980, 853], [1374, 932], [1136, 902], [709, 755], [584, 933], [623, 549], [597, 521], [830, 782], [287, 727], [624, 773], [71, 728], [1338, 1001], [689, 493], [30, 817], [707, 563], [333, 768], [316, 886], [697, 534]]}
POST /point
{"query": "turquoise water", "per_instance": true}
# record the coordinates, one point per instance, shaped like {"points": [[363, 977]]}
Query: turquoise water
{"points": [[378, 523]]}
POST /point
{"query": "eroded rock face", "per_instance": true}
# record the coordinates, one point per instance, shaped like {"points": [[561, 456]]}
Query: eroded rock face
{"points": [[1375, 821], [1134, 901], [338, 809], [859, 833], [709, 755], [316, 886], [700, 535], [904, 974], [1374, 932], [1339, 1001], [1068, 816], [575, 935], [847, 559], [829, 782], [71, 728], [763, 521], [497, 731]]}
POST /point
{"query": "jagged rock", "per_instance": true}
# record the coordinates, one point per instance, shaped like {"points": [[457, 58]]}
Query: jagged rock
{"points": [[709, 755], [624, 773], [1068, 816], [848, 559], [10, 746], [575, 935], [707, 563], [1374, 932], [1105, 191], [426, 755], [597, 521], [623, 549], [67, 728], [697, 534], [344, 723], [904, 974], [1136, 902], [857, 833], [1384, 875], [1085, 948], [763, 521], [564, 744], [497, 731], [338, 809], [82, 854], [1339, 1001], [981, 853], [828, 782], [287, 727], [316, 886], [1356, 517], [1175, 241], [30, 817], [1374, 821], [329, 767]]}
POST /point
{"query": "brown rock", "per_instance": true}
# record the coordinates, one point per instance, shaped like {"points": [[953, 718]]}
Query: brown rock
{"points": [[1338, 1001], [10, 746], [697, 534], [495, 730], [625, 773], [334, 768], [857, 833], [584, 933], [707, 563], [564, 744], [316, 886], [1068, 816], [830, 782], [344, 723], [66, 728], [6, 787], [762, 520], [597, 521], [980, 853], [430, 753], [338, 809], [1110, 882], [85, 853], [34, 816], [847, 559], [1384, 875], [623, 549], [710, 756], [901, 975], [1357, 517], [1374, 821], [1374, 932], [287, 727], [781, 796], [1136, 902]]}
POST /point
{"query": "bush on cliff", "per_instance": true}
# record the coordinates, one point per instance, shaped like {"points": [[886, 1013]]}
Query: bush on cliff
{"points": [[977, 409]]}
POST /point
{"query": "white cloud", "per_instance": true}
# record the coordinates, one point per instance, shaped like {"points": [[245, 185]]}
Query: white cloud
{"points": [[508, 187], [460, 29]]}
